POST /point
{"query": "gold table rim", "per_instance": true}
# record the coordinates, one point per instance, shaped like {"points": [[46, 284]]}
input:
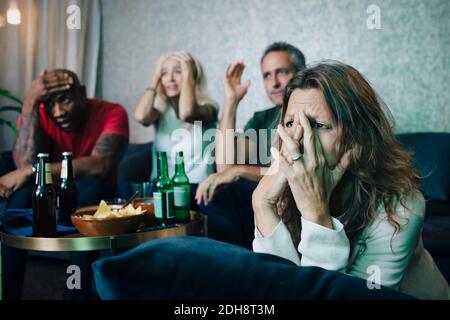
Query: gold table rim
{"points": [[82, 243]]}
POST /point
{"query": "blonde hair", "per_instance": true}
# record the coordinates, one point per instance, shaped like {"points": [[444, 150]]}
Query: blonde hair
{"points": [[201, 87]]}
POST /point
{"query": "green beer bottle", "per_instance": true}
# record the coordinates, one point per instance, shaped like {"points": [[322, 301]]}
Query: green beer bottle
{"points": [[163, 195], [181, 190]]}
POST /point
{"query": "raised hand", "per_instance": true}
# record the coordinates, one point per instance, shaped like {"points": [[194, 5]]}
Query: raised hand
{"points": [[46, 84], [187, 65], [234, 89], [156, 79]]}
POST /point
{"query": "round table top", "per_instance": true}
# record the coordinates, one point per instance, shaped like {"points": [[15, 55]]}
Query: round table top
{"points": [[77, 242]]}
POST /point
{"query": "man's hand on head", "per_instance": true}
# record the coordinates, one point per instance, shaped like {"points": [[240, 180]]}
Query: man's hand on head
{"points": [[45, 85]]}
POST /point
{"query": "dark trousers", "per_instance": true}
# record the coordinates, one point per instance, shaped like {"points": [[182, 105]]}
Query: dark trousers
{"points": [[90, 190], [230, 214]]}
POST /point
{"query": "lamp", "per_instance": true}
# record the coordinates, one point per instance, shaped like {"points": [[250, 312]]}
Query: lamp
{"points": [[13, 13]]}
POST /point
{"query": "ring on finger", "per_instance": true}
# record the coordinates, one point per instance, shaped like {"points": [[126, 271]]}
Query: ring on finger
{"points": [[296, 156]]}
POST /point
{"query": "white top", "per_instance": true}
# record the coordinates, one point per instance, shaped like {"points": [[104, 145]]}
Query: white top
{"points": [[408, 268], [173, 135]]}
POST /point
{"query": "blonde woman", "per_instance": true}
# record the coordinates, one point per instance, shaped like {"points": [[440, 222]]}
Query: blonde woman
{"points": [[177, 104]]}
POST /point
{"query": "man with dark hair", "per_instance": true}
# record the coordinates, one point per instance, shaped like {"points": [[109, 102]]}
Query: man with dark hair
{"points": [[57, 117], [297, 57], [230, 215]]}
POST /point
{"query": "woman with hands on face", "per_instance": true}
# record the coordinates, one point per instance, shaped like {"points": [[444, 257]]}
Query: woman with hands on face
{"points": [[341, 193], [176, 98]]}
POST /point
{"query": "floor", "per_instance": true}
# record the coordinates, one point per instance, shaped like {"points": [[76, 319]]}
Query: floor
{"points": [[45, 279]]}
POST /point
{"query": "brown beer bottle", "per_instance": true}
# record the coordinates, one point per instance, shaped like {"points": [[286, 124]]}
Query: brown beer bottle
{"points": [[44, 200], [67, 193]]}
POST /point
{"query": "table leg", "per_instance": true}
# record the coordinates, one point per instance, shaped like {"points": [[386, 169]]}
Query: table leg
{"points": [[112, 246]]}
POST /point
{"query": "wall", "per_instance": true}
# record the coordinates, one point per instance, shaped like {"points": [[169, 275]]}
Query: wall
{"points": [[407, 60]]}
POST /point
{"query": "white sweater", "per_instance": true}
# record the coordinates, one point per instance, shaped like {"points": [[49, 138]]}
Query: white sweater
{"points": [[407, 267]]}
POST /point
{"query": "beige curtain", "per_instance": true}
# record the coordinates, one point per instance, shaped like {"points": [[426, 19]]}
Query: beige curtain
{"points": [[43, 40]]}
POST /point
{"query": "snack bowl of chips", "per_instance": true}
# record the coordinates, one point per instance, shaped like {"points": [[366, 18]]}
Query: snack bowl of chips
{"points": [[109, 220]]}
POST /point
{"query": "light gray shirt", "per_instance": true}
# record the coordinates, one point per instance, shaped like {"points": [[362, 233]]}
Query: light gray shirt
{"points": [[398, 261]]}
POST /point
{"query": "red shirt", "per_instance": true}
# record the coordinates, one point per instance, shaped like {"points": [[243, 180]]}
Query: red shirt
{"points": [[102, 117]]}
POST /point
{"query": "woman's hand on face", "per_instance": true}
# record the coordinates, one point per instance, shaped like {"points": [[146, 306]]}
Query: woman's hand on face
{"points": [[234, 89], [206, 190], [310, 179], [187, 65], [156, 80]]}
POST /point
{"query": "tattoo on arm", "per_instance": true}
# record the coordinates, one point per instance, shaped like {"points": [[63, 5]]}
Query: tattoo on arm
{"points": [[110, 147], [30, 140]]}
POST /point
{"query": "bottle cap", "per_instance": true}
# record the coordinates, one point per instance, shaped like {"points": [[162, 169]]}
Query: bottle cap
{"points": [[67, 154], [43, 155]]}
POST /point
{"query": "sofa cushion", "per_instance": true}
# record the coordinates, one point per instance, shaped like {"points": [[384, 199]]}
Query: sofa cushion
{"points": [[437, 208], [136, 164], [202, 268], [432, 157], [436, 234]]}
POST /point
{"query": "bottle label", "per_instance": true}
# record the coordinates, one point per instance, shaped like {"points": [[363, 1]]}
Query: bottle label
{"points": [[164, 204], [181, 196], [48, 174], [157, 200], [170, 205], [64, 173]]}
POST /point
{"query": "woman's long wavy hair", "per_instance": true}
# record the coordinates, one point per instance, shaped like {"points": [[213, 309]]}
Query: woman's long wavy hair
{"points": [[380, 172], [201, 87]]}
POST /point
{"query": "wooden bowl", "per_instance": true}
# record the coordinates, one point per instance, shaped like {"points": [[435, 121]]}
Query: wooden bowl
{"points": [[110, 226]]}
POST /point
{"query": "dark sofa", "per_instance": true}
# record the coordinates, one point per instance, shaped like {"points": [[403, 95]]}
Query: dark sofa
{"points": [[431, 155], [187, 268]]}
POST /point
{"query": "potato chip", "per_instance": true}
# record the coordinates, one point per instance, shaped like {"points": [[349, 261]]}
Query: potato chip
{"points": [[105, 212]]}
